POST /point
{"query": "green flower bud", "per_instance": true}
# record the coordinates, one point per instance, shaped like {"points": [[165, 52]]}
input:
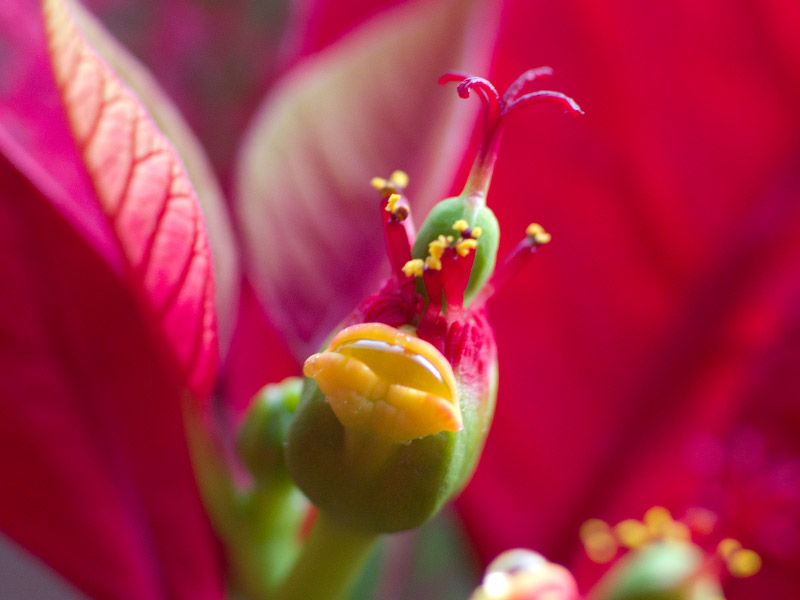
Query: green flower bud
{"points": [[669, 570], [261, 439]]}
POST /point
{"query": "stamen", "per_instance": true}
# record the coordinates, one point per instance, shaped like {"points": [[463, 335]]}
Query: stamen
{"points": [[397, 230], [744, 563], [397, 182], [519, 257], [598, 540], [538, 234], [401, 213], [601, 542], [432, 262], [391, 203], [458, 263], [740, 561], [432, 278], [658, 521], [435, 250], [727, 547], [632, 533], [464, 246], [460, 226], [413, 268]]}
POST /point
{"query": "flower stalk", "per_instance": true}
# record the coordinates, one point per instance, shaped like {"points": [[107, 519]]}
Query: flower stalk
{"points": [[330, 561]]}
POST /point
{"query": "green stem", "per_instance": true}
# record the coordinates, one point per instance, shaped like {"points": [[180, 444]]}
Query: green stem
{"points": [[329, 562], [263, 545]]}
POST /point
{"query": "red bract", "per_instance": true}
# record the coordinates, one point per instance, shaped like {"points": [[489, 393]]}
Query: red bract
{"points": [[108, 322], [661, 320], [109, 326], [665, 310]]}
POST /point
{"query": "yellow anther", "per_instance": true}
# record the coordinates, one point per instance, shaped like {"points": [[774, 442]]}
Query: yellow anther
{"points": [[593, 526], [658, 521], [399, 180], [464, 246], [534, 229], [537, 233], [437, 246], [435, 250], [632, 533], [727, 547], [476, 232], [433, 262], [678, 531], [413, 268], [461, 226], [744, 563], [391, 203], [394, 185], [598, 540], [385, 382]]}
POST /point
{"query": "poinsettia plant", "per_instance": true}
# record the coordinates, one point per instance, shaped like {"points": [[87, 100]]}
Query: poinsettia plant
{"points": [[151, 289]]}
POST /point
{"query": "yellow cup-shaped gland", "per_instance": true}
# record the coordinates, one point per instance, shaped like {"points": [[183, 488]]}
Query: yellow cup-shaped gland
{"points": [[380, 380]]}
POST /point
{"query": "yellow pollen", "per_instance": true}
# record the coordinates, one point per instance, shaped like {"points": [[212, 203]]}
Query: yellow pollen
{"points": [[461, 226], [727, 547], [598, 541], [678, 531], [744, 563], [537, 233], [435, 250], [476, 232], [632, 533], [391, 204], [433, 262], [464, 246], [658, 521], [399, 179], [437, 246], [378, 183], [413, 268]]}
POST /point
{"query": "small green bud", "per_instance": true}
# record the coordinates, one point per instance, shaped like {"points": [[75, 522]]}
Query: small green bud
{"points": [[261, 439]]}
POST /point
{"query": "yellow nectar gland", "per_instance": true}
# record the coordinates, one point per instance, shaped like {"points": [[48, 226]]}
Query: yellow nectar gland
{"points": [[380, 380]]}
